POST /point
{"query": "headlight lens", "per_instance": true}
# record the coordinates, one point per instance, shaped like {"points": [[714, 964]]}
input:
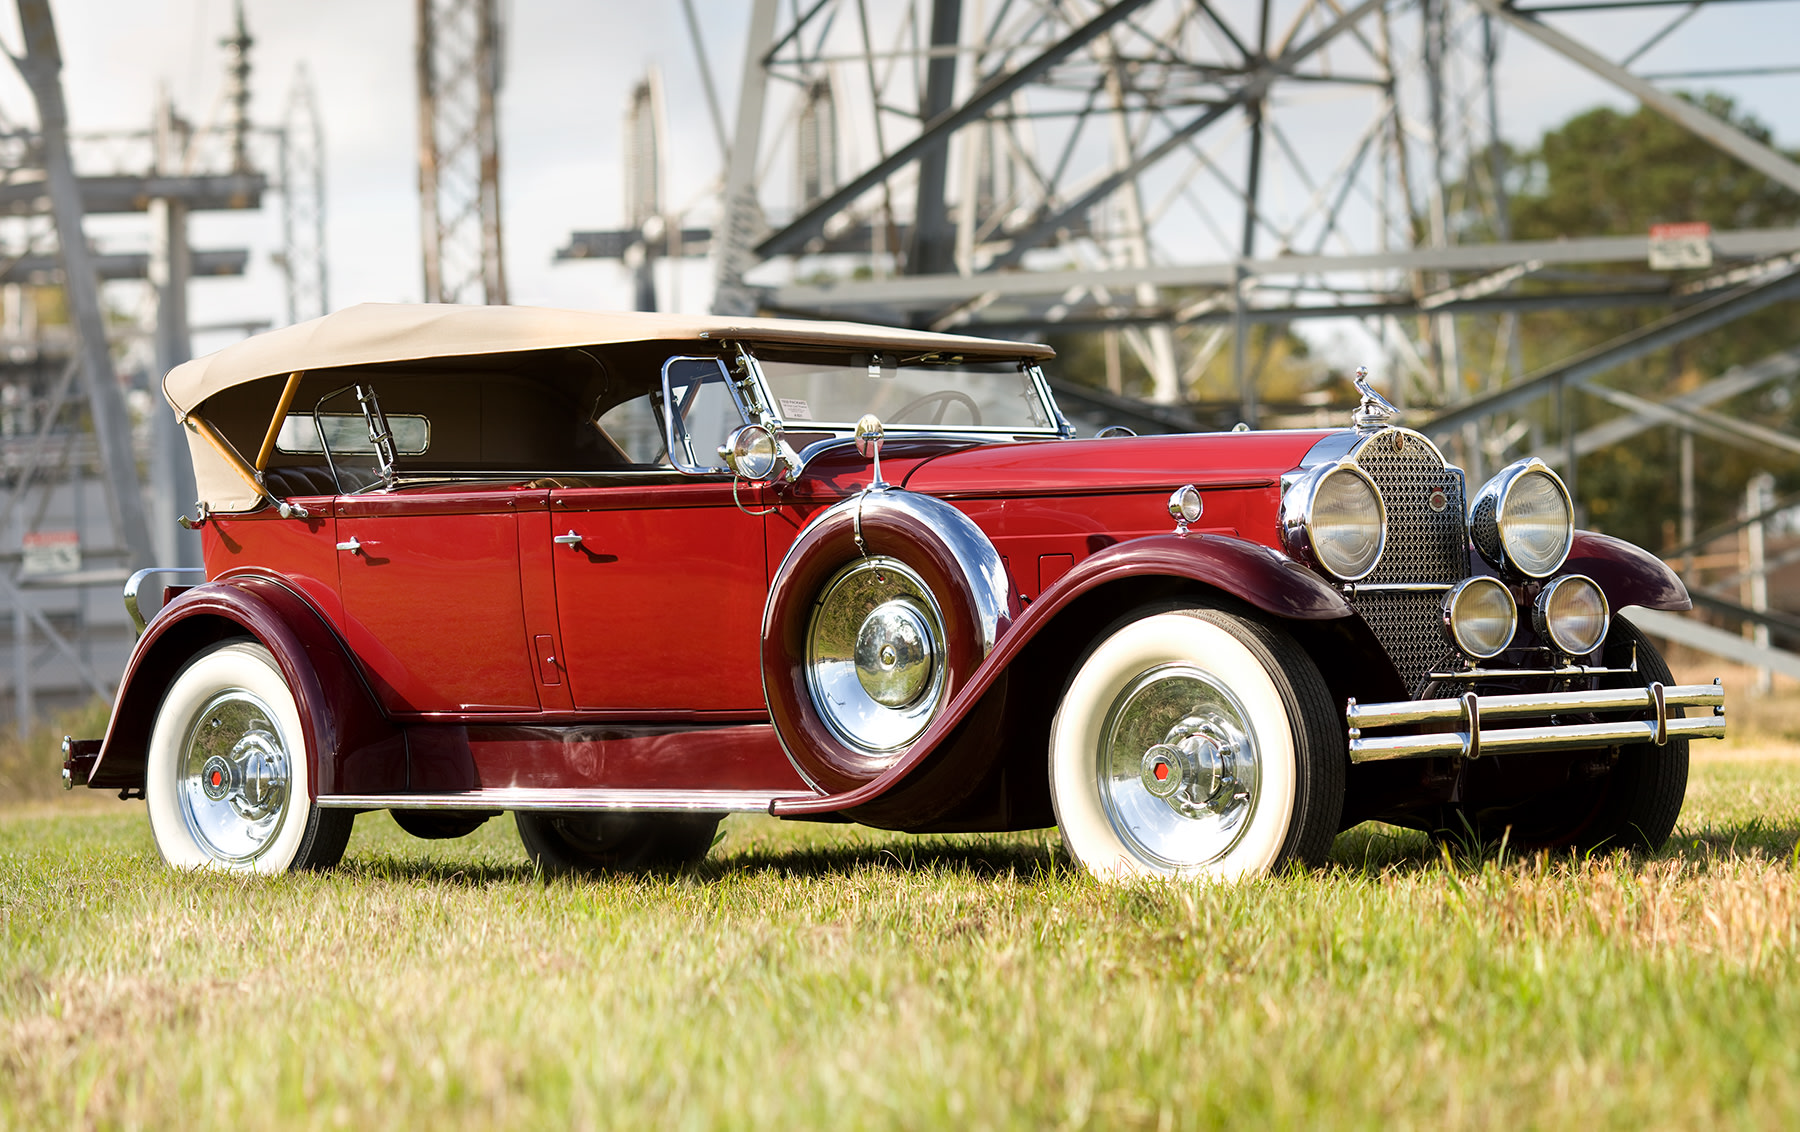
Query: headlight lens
{"points": [[1522, 520], [1346, 523], [1480, 616], [1571, 613], [752, 452]]}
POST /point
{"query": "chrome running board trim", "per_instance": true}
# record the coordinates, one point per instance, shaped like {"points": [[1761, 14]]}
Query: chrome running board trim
{"points": [[527, 798]]}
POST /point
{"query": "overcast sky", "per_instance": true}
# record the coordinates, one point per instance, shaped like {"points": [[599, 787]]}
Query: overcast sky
{"points": [[570, 66]]}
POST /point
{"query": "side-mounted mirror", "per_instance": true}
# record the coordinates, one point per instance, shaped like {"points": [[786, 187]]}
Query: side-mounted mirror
{"points": [[753, 452], [869, 435]]}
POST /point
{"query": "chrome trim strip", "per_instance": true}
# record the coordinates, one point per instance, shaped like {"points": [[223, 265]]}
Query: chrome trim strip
{"points": [[1508, 673], [1355, 588], [1469, 712], [547, 798]]}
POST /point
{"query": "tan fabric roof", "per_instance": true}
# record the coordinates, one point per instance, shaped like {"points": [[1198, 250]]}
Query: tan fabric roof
{"points": [[395, 332]]}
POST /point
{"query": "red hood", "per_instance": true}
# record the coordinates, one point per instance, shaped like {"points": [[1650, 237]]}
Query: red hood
{"points": [[1220, 459]]}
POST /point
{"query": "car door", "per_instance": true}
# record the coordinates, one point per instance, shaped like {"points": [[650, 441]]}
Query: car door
{"points": [[659, 596], [432, 600], [660, 569]]}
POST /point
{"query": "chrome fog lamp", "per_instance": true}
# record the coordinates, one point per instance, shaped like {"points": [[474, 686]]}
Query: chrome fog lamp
{"points": [[1522, 520], [1480, 617], [1186, 506], [1335, 515], [752, 452], [1571, 613]]}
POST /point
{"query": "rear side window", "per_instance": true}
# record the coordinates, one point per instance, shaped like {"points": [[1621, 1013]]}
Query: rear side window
{"points": [[348, 434]]}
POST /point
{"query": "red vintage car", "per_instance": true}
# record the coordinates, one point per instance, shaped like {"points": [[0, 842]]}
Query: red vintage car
{"points": [[622, 574]]}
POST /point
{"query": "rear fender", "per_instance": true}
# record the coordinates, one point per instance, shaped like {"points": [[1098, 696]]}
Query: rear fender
{"points": [[1627, 574], [1149, 568], [350, 746]]}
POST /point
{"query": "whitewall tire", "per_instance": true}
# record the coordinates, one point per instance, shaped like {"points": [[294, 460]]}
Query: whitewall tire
{"points": [[1196, 742], [226, 778]]}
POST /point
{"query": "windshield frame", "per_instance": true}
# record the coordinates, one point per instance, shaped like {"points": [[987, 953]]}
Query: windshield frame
{"points": [[763, 410]]}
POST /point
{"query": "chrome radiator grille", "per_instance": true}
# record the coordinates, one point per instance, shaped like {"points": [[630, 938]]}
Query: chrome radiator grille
{"points": [[1424, 545]]}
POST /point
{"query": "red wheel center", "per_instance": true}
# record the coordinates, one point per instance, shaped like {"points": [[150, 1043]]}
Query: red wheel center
{"points": [[1162, 772], [218, 778]]}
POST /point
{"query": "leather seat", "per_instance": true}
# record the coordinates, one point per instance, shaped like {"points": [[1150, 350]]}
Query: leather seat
{"points": [[313, 479]]}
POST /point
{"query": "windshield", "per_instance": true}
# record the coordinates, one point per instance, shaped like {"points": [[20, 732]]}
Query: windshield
{"points": [[833, 391]]}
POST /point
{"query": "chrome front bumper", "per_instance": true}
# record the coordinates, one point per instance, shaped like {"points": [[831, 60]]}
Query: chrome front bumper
{"points": [[1460, 726]]}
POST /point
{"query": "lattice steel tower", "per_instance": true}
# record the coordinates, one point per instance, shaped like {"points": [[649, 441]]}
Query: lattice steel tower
{"points": [[459, 74]]}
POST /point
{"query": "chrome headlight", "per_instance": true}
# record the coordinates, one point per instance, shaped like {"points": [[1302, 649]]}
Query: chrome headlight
{"points": [[1480, 616], [1571, 613], [1522, 520], [1334, 515], [752, 452]]}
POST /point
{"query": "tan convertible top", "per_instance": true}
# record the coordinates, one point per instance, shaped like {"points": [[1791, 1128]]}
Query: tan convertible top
{"points": [[396, 332], [374, 333]]}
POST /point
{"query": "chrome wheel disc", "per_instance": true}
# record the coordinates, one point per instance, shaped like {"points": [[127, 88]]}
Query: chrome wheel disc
{"points": [[235, 777], [875, 662], [1178, 770]]}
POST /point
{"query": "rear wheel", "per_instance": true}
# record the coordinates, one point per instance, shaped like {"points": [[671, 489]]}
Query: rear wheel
{"points": [[226, 779], [1196, 742], [572, 842]]}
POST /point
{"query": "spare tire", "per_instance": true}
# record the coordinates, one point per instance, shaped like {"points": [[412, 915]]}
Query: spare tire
{"points": [[878, 614]]}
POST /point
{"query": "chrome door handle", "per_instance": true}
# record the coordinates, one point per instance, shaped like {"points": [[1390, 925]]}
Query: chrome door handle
{"points": [[353, 546], [570, 539]]}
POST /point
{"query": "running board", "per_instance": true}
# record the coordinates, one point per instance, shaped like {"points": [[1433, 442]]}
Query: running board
{"points": [[525, 798]]}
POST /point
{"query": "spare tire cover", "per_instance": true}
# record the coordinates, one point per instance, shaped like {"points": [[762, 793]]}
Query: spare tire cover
{"points": [[878, 614]]}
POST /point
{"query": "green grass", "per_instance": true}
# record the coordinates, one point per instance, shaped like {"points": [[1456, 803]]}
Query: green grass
{"points": [[830, 975]]}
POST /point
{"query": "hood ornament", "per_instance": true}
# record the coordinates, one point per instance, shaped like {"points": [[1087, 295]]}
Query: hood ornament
{"points": [[1375, 412]]}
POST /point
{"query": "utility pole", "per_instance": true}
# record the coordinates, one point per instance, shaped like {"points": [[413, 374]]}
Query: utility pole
{"points": [[41, 67]]}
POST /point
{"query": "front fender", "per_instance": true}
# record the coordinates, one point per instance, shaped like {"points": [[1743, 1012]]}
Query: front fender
{"points": [[350, 746], [1252, 573], [1627, 574]]}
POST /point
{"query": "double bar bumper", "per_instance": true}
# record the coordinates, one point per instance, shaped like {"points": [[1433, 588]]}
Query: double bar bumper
{"points": [[1460, 726]]}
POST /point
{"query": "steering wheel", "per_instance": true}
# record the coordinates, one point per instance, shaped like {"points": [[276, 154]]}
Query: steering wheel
{"points": [[944, 399]]}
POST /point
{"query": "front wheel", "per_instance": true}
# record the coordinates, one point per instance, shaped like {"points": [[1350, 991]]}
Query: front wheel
{"points": [[1196, 742], [226, 778]]}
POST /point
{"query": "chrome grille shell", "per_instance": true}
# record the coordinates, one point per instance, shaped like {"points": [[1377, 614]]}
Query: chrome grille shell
{"points": [[1425, 546]]}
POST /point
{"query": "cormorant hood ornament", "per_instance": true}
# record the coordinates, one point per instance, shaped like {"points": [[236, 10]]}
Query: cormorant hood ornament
{"points": [[1375, 412]]}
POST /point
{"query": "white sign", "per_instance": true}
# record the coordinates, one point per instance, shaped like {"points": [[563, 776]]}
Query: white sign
{"points": [[1680, 247], [51, 552]]}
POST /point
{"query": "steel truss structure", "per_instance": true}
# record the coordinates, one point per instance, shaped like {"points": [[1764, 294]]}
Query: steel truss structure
{"points": [[1174, 173], [1177, 171], [72, 438], [459, 70]]}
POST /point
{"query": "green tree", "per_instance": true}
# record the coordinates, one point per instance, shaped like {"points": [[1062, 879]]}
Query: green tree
{"points": [[1605, 172]]}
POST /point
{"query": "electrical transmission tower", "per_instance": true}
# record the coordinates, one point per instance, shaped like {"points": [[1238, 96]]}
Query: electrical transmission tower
{"points": [[460, 71], [302, 171], [1174, 173]]}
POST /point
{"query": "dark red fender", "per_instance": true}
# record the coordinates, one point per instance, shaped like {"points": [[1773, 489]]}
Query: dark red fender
{"points": [[1628, 574], [350, 746], [1252, 573]]}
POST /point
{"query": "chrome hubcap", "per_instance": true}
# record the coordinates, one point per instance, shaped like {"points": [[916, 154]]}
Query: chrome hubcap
{"points": [[1178, 770], [235, 777], [894, 654], [874, 655]]}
